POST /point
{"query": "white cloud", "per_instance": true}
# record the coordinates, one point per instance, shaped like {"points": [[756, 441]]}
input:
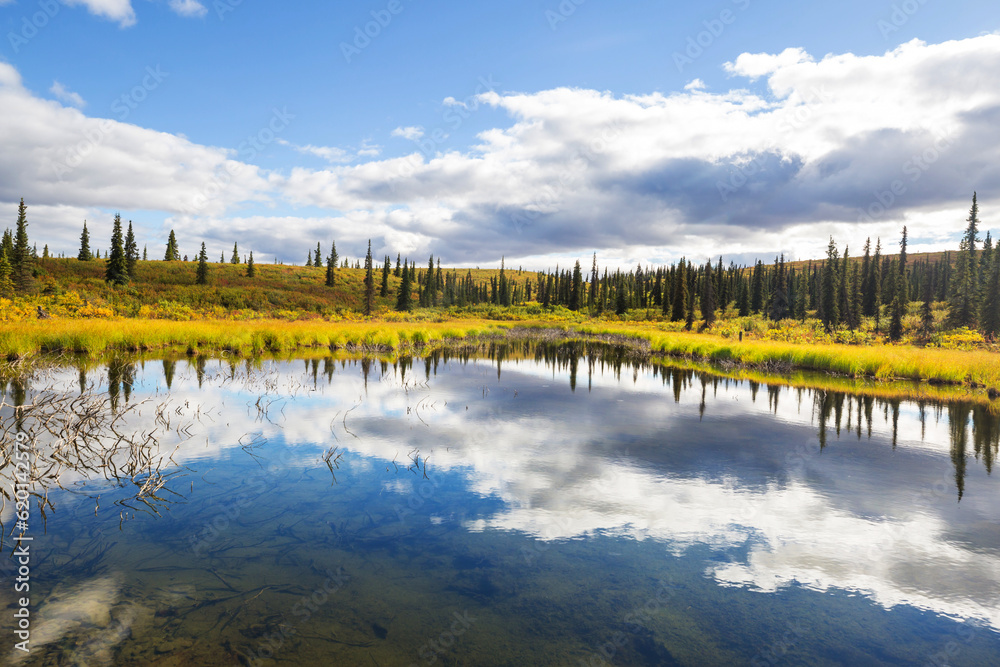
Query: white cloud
{"points": [[756, 65], [67, 96], [334, 154], [188, 8], [115, 10], [706, 173], [56, 155], [412, 133], [696, 84], [328, 153], [636, 177]]}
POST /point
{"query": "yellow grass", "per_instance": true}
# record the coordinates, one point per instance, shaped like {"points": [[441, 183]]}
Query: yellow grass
{"points": [[879, 361], [94, 337], [29, 338]]}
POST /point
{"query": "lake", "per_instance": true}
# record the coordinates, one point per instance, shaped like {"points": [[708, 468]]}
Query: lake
{"points": [[501, 504]]}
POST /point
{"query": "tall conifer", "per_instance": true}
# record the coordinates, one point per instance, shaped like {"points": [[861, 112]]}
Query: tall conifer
{"points": [[85, 255], [116, 271]]}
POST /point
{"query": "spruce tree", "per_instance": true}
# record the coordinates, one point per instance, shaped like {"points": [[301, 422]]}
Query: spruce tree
{"points": [[201, 277], [7, 244], [831, 287], [708, 305], [145, 256], [990, 316], [965, 288], [779, 298], [854, 298], [927, 309], [757, 288], [876, 284], [844, 290], [802, 296], [386, 270], [235, 258], [116, 271], [743, 297], [680, 305], [131, 251], [692, 278], [6, 284], [331, 266], [576, 295], [369, 282], [430, 286], [173, 253], [867, 308], [251, 267], [22, 262], [85, 255], [621, 303], [595, 278], [397, 272], [985, 267], [318, 260], [403, 297], [900, 298]]}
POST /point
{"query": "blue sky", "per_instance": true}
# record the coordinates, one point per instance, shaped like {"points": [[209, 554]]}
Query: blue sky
{"points": [[494, 103]]}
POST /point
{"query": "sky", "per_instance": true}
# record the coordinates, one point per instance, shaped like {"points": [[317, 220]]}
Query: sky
{"points": [[538, 131]]}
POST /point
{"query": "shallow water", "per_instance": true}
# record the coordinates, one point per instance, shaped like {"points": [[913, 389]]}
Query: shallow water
{"points": [[527, 505]]}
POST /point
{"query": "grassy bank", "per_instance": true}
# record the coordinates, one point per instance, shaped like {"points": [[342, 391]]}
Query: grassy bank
{"points": [[29, 338], [975, 368]]}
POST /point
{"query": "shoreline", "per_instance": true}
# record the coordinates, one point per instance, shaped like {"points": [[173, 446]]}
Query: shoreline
{"points": [[927, 373]]}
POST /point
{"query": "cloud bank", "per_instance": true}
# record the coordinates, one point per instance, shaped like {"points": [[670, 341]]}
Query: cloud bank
{"points": [[845, 145]]}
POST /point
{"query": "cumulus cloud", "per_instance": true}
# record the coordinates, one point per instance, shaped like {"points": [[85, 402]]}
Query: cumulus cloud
{"points": [[115, 10], [410, 132], [647, 174], [755, 65], [66, 96], [188, 8], [57, 156], [845, 145]]}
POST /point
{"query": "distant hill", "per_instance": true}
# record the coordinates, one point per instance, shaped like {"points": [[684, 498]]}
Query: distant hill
{"points": [[275, 287]]}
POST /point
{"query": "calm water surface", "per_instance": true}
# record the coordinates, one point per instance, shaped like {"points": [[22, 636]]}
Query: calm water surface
{"points": [[523, 506]]}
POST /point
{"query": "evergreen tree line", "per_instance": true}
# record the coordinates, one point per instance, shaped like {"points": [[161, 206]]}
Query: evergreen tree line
{"points": [[839, 290]]}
